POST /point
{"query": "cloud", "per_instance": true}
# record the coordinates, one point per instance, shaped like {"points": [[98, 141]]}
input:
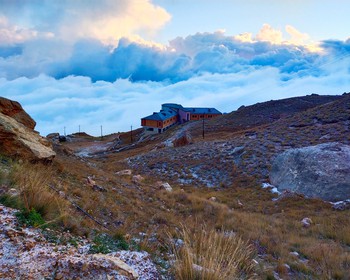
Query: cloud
{"points": [[268, 34], [90, 83], [182, 59], [106, 20], [76, 101]]}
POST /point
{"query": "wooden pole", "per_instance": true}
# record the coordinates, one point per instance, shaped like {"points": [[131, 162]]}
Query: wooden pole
{"points": [[203, 127], [131, 140]]}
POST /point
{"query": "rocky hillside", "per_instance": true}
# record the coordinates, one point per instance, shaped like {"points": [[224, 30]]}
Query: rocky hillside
{"points": [[154, 193], [264, 113], [250, 151]]}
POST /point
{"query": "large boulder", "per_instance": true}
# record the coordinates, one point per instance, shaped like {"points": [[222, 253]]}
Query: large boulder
{"points": [[14, 110], [321, 171], [19, 140]]}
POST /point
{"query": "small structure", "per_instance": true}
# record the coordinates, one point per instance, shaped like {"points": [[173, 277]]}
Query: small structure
{"points": [[172, 113]]}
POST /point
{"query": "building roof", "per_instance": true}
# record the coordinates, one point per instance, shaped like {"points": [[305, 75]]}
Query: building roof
{"points": [[202, 110], [161, 116], [172, 105]]}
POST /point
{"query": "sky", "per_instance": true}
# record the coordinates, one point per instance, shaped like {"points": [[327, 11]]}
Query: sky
{"points": [[108, 63]]}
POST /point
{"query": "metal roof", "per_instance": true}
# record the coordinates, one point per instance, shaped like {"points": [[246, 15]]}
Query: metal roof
{"points": [[194, 110], [161, 116]]}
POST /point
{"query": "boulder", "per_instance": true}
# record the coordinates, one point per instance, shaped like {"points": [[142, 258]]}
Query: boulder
{"points": [[19, 141], [164, 185], [14, 110], [137, 179], [321, 171], [341, 205], [52, 136], [124, 172], [306, 222], [182, 139]]}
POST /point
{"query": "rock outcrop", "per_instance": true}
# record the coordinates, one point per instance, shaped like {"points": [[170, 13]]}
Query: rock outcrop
{"points": [[321, 171], [17, 137], [25, 253], [14, 110]]}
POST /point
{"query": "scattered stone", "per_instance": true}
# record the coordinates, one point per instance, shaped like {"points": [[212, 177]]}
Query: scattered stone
{"points": [[321, 171], [98, 188], [13, 192], [52, 136], [62, 194], [164, 185], [137, 179], [213, 198], [124, 172], [270, 187], [179, 243], [182, 139], [91, 182], [341, 205], [294, 253], [306, 222]]}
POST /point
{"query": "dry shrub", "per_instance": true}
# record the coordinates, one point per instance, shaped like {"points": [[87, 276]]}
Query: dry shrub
{"points": [[208, 254], [32, 181]]}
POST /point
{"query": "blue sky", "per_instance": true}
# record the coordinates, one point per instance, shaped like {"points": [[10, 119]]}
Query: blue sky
{"points": [[111, 62]]}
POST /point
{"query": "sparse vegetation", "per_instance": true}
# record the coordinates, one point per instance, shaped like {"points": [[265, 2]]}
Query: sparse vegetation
{"points": [[104, 243]]}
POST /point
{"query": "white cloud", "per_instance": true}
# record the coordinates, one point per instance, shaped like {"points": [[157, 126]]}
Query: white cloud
{"points": [[105, 20], [269, 34], [75, 101]]}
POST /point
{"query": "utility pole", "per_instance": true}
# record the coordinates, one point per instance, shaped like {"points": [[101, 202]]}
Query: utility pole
{"points": [[101, 133], [79, 128], [64, 131], [131, 140], [203, 127]]}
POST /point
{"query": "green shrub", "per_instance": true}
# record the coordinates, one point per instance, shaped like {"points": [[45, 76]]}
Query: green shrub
{"points": [[104, 243], [30, 218]]}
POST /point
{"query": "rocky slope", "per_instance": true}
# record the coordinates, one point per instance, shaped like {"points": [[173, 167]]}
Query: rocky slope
{"points": [[249, 151], [26, 253]]}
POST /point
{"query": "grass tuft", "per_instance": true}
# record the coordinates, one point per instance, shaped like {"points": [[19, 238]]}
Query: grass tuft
{"points": [[209, 254]]}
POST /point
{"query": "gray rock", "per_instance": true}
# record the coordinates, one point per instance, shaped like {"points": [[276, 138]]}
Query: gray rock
{"points": [[341, 205], [321, 171]]}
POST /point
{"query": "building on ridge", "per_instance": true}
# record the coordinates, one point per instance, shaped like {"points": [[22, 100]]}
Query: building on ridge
{"points": [[172, 113]]}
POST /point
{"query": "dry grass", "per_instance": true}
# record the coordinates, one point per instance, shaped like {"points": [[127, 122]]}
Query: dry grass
{"points": [[32, 182], [211, 255], [272, 227]]}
